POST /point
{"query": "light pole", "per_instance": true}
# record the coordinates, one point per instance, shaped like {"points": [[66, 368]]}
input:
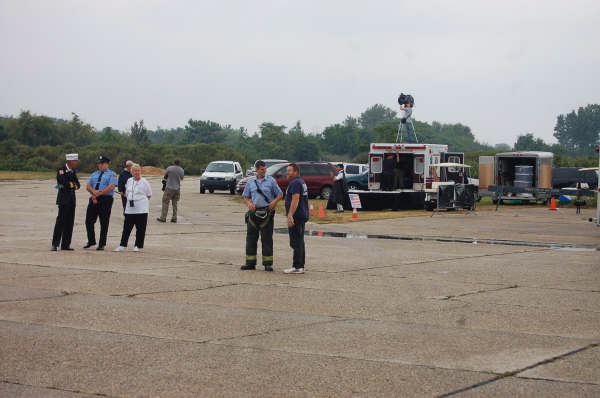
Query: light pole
{"points": [[598, 185]]}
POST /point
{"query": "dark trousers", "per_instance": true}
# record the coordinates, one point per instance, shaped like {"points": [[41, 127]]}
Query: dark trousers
{"points": [[297, 243], [266, 239], [140, 221], [94, 211], [63, 229], [387, 182], [124, 201]]}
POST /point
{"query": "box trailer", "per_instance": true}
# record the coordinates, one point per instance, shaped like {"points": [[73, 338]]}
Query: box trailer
{"points": [[524, 175]]}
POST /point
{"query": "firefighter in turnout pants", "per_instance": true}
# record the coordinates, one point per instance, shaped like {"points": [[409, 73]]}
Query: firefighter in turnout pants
{"points": [[68, 183], [261, 195]]}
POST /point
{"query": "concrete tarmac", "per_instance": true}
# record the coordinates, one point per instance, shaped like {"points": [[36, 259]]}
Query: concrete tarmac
{"points": [[412, 317]]}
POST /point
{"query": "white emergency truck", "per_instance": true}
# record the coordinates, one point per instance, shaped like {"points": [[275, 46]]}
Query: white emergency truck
{"points": [[417, 174]]}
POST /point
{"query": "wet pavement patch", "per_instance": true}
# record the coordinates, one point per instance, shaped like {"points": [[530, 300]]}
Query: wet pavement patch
{"points": [[445, 239]]}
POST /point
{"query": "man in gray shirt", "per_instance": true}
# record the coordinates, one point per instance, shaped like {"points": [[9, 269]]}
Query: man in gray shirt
{"points": [[173, 175]]}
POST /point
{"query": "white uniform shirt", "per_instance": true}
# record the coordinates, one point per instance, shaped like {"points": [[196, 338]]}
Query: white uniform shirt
{"points": [[138, 191]]}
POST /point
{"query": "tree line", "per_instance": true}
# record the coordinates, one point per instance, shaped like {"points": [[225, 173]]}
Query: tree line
{"points": [[38, 142]]}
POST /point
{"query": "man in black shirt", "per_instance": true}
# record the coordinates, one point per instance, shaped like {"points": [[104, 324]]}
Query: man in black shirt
{"points": [[123, 177]]}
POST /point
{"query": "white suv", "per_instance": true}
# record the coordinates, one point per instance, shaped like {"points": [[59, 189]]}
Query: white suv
{"points": [[222, 175]]}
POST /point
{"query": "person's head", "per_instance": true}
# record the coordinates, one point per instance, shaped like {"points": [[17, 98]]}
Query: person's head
{"points": [[177, 162], [293, 171], [128, 165], [136, 171], [103, 163], [72, 160], [339, 167], [261, 168]]}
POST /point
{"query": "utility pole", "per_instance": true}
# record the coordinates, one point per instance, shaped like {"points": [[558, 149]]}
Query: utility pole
{"points": [[598, 183]]}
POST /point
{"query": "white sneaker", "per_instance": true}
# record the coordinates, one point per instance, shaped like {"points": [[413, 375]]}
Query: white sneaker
{"points": [[120, 249], [293, 271], [137, 249]]}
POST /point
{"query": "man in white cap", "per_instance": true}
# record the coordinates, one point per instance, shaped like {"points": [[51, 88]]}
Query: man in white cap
{"points": [[68, 183]]}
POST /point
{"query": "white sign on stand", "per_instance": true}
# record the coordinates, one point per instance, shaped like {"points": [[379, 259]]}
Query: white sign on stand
{"points": [[355, 200]]}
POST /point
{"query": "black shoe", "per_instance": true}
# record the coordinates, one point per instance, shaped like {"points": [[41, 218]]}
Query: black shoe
{"points": [[173, 220], [67, 248], [247, 267], [269, 268], [100, 248], [53, 248], [88, 245], [160, 220]]}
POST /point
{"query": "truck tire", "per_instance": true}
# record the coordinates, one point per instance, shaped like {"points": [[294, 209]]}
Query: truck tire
{"points": [[211, 190], [232, 191], [353, 186], [202, 189], [326, 192]]}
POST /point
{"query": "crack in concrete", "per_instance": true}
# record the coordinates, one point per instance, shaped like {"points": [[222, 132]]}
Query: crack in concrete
{"points": [[64, 293], [91, 394], [444, 259], [516, 372], [558, 381], [532, 306], [267, 332], [171, 291]]}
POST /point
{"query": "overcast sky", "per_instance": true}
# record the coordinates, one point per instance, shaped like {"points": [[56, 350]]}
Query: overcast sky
{"points": [[503, 68]]}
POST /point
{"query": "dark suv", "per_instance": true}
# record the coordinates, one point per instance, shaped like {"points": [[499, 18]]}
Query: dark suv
{"points": [[318, 177]]}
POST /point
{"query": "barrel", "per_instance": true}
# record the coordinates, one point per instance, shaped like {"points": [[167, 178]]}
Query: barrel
{"points": [[523, 176]]}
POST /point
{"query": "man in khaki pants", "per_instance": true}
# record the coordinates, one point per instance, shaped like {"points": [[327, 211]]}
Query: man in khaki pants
{"points": [[173, 175]]}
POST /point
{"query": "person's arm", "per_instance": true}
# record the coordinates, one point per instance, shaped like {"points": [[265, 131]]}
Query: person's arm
{"points": [[106, 190], [246, 196], [274, 202], [148, 189], [110, 187], [249, 203], [62, 178], [293, 208], [277, 193]]}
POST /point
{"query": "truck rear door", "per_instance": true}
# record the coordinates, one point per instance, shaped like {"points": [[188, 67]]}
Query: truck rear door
{"points": [[455, 174]]}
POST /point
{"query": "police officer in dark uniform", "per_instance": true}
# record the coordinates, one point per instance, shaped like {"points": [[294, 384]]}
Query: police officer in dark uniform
{"points": [[101, 186], [68, 183]]}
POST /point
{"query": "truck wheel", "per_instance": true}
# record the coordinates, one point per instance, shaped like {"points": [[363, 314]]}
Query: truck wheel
{"points": [[202, 189], [353, 186], [232, 190], [326, 192], [211, 190]]}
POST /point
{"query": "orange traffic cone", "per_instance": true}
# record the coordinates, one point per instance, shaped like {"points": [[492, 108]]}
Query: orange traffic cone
{"points": [[311, 209], [321, 213], [354, 213], [553, 204]]}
